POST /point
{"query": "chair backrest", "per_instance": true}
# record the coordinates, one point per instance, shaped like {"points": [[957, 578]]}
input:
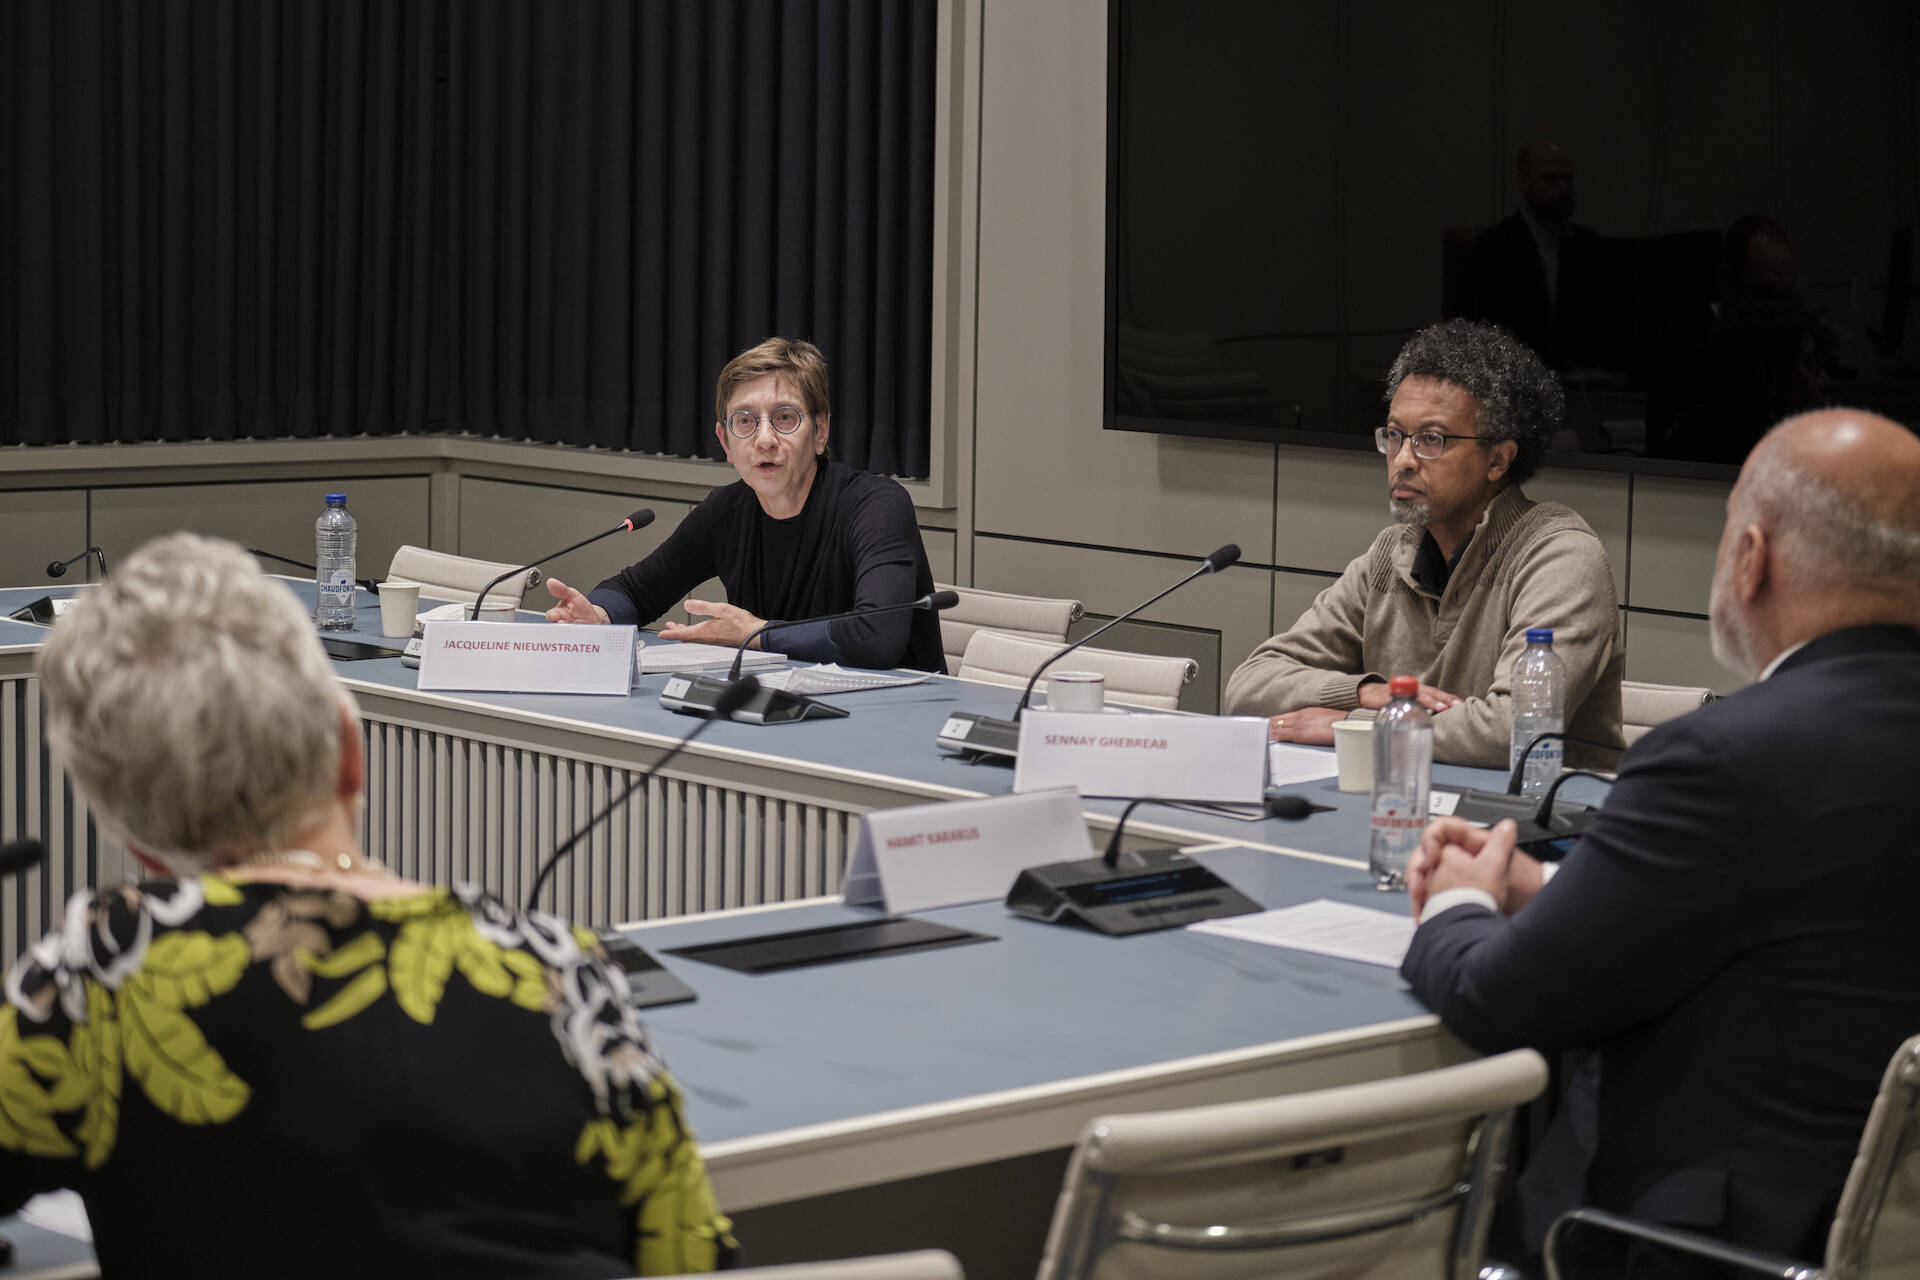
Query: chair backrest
{"points": [[1035, 617], [927, 1264], [1389, 1179], [1642, 706], [449, 577], [1876, 1231], [1137, 679]]}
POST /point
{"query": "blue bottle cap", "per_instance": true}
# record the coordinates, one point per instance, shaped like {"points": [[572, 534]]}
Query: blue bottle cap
{"points": [[1539, 635], [340, 500]]}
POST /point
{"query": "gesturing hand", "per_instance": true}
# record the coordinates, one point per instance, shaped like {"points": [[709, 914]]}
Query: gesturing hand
{"points": [[725, 624], [573, 606]]}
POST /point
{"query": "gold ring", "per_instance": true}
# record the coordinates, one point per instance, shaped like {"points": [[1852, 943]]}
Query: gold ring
{"points": [[1280, 725]]}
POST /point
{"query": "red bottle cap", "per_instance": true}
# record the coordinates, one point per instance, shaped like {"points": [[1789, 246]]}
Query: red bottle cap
{"points": [[1404, 686]]}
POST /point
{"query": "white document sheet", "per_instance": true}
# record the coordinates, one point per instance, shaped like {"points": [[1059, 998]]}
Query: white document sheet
{"points": [[1325, 927], [683, 658], [831, 677], [61, 1211], [1288, 764]]}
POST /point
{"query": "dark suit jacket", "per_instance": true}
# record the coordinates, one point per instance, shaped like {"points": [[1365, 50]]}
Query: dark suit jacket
{"points": [[1507, 285], [1738, 934]]}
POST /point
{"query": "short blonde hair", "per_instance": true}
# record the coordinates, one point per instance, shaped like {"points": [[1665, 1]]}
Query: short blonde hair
{"points": [[799, 360], [191, 700]]}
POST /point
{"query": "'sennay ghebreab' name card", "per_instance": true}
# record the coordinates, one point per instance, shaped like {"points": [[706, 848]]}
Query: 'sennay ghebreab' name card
{"points": [[527, 657], [941, 855], [1221, 759]]}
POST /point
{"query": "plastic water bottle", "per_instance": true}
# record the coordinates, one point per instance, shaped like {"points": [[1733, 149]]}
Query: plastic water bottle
{"points": [[335, 536], [1539, 686], [1402, 774]]}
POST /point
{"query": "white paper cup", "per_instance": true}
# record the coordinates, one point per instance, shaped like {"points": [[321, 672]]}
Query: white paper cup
{"points": [[1353, 753], [399, 605], [1076, 691]]}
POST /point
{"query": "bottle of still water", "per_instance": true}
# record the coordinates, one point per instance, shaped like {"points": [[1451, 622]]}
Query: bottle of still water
{"points": [[335, 536], [1539, 685], [1402, 774]]}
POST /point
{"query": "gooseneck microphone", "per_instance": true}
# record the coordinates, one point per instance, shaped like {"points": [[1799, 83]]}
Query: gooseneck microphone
{"points": [[1219, 560], [635, 522], [977, 737], [1291, 807], [368, 583], [932, 600], [58, 569], [699, 695], [17, 856], [731, 699]]}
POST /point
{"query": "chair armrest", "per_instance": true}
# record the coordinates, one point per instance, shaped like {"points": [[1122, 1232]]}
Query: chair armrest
{"points": [[1699, 1246]]}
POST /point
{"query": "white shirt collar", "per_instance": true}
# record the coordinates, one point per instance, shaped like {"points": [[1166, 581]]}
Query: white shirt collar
{"points": [[1781, 657]]}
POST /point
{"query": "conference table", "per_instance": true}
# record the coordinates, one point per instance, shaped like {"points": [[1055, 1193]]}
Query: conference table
{"points": [[939, 1088]]}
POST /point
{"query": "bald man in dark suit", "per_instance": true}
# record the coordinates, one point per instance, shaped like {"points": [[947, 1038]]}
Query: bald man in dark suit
{"points": [[1735, 934]]}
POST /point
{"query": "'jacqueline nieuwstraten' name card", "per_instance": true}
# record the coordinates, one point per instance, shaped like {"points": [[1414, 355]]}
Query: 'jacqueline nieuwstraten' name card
{"points": [[527, 657], [1214, 759], [941, 855]]}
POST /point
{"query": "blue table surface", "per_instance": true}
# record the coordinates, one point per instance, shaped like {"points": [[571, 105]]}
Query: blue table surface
{"points": [[1041, 1003]]}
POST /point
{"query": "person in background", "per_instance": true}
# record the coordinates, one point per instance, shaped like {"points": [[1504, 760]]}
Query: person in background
{"points": [[1448, 591], [1734, 933], [1532, 273], [797, 536], [275, 1057]]}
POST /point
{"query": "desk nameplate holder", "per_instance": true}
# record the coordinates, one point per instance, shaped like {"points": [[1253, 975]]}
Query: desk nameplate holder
{"points": [[696, 695], [829, 944], [919, 857], [527, 657]]}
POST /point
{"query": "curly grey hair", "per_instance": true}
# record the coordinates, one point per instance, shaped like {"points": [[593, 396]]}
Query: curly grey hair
{"points": [[191, 700], [1519, 397]]}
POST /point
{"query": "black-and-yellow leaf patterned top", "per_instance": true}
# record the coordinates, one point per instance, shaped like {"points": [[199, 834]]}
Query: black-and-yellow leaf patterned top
{"points": [[254, 1079]]}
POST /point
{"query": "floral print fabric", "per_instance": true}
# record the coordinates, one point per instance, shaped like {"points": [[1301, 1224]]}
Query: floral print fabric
{"points": [[151, 997]]}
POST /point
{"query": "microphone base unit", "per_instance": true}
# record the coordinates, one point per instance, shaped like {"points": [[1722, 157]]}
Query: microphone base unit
{"points": [[1548, 840], [1149, 890], [651, 982], [978, 737], [698, 695]]}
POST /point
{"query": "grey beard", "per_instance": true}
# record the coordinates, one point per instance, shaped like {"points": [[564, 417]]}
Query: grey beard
{"points": [[1410, 513]]}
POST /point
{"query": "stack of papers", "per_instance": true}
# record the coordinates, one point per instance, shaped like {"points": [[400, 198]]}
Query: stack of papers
{"points": [[831, 677], [1288, 763], [683, 659], [1326, 928]]}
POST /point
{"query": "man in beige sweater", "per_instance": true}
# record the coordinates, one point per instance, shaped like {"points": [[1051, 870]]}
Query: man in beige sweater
{"points": [[1448, 591]]}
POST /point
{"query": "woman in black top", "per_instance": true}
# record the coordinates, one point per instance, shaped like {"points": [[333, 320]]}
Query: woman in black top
{"points": [[798, 535], [278, 1059]]}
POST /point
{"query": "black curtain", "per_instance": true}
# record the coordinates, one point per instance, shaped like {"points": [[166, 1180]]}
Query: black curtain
{"points": [[217, 215], [636, 191]]}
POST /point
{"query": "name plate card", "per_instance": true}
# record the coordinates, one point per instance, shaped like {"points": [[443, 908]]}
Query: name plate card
{"points": [[527, 657], [1213, 759], [941, 855]]}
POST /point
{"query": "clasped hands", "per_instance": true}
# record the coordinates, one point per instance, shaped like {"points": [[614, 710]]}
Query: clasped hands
{"points": [[725, 624], [1313, 726], [1456, 854]]}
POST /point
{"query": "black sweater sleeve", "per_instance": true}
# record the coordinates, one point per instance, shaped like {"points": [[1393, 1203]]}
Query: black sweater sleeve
{"points": [[884, 539], [642, 592]]}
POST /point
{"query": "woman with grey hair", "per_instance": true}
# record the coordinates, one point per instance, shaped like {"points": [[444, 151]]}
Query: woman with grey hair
{"points": [[277, 1058]]}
